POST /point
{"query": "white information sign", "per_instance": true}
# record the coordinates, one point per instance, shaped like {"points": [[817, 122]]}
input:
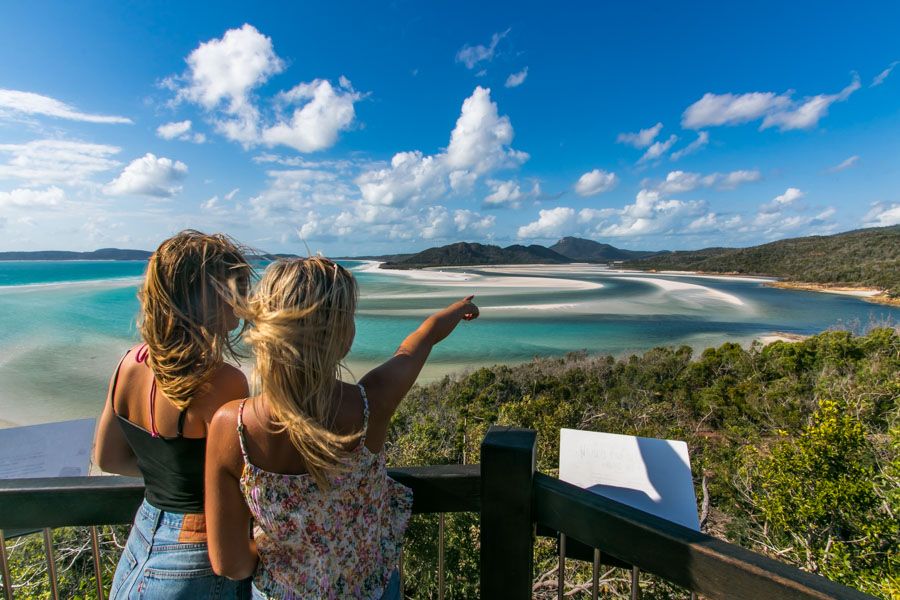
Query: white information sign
{"points": [[48, 450], [646, 473]]}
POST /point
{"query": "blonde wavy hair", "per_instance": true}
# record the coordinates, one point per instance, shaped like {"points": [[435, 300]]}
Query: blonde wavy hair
{"points": [[301, 315], [192, 280]]}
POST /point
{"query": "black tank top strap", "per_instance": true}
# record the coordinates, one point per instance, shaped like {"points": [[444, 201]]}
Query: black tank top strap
{"points": [[115, 382], [181, 416]]}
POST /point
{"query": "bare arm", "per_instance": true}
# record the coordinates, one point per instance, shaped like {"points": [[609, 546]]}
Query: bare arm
{"points": [[232, 552], [111, 450], [390, 381]]}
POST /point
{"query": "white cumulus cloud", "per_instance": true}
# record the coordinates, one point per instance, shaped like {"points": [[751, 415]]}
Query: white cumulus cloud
{"points": [[472, 55], [149, 176], [659, 148], [882, 214], [775, 110], [42, 162], [642, 138], [180, 130], [516, 79], [551, 223], [323, 111], [503, 193], [479, 144], [31, 198], [29, 103], [595, 182], [701, 141]]}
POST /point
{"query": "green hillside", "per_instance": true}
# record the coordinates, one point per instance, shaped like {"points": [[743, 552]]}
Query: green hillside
{"points": [[865, 257], [466, 254]]}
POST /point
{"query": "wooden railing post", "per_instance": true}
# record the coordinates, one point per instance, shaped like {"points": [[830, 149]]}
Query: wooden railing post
{"points": [[507, 525]]}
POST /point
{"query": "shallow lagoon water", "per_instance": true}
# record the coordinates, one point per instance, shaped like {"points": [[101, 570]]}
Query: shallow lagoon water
{"points": [[64, 325]]}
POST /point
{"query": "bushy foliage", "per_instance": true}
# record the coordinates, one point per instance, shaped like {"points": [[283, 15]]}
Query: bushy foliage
{"points": [[799, 443], [744, 413]]}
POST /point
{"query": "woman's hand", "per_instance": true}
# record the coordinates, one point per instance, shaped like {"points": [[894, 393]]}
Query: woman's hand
{"points": [[442, 323]]}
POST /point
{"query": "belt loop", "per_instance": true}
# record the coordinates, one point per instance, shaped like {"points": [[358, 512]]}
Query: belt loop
{"points": [[156, 523]]}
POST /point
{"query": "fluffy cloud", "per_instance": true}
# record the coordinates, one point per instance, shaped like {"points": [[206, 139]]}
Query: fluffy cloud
{"points": [[678, 182], [503, 193], [776, 110], [292, 192], [657, 149], [551, 223], [882, 215], [29, 103], [223, 74], [479, 144], [149, 176], [180, 130], [29, 198], [701, 141], [845, 164], [879, 79], [516, 79], [227, 69], [323, 111], [642, 138], [650, 213], [42, 162], [472, 55], [790, 196], [595, 182]]}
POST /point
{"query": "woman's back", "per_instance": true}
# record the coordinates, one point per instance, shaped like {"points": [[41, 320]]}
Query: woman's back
{"points": [[341, 541]]}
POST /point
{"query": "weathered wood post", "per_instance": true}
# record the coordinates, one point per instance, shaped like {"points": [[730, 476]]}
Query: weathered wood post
{"points": [[507, 524]]}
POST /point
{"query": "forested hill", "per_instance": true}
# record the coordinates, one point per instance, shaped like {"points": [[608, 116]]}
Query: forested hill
{"points": [[465, 254], [865, 257], [583, 250], [101, 254]]}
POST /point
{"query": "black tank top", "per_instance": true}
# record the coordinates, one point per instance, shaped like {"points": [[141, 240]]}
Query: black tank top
{"points": [[172, 466]]}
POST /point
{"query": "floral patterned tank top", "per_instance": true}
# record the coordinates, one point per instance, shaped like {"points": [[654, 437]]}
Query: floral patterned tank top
{"points": [[343, 542]]}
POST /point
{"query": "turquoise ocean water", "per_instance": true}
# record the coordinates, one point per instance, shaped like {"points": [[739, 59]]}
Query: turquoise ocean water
{"points": [[64, 325]]}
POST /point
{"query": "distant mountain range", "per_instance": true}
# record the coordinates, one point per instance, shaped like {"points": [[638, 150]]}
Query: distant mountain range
{"points": [[110, 254], [582, 250], [101, 254]]}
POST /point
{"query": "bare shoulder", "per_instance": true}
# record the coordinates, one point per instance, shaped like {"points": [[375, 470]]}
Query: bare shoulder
{"points": [[229, 377], [226, 416]]}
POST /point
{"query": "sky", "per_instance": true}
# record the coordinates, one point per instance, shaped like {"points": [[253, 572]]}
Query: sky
{"points": [[354, 128]]}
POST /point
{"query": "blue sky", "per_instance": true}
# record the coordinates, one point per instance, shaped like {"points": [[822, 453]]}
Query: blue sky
{"points": [[375, 128]]}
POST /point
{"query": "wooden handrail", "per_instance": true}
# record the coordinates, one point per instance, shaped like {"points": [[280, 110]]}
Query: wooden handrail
{"points": [[78, 501], [694, 560]]}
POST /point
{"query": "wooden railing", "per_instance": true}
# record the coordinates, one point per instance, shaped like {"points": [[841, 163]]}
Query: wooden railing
{"points": [[515, 503]]}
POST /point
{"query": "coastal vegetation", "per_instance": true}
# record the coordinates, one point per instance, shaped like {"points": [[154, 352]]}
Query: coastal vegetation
{"points": [[864, 258], [795, 450]]}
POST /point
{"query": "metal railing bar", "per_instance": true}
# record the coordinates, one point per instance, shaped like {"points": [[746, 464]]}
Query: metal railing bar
{"points": [[402, 576], [595, 576], [4, 567], [561, 572], [51, 563], [98, 569], [635, 583], [441, 557]]}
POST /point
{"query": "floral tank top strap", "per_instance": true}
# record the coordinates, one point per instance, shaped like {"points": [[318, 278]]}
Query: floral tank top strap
{"points": [[240, 431], [365, 399]]}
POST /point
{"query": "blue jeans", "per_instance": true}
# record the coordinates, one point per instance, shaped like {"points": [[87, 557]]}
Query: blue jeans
{"points": [[166, 557], [391, 592]]}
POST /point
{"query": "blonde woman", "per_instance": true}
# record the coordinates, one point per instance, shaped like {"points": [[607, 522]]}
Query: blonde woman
{"points": [[161, 400], [303, 459]]}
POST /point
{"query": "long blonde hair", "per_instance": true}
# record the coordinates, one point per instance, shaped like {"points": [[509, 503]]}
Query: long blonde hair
{"points": [[301, 315], [191, 280]]}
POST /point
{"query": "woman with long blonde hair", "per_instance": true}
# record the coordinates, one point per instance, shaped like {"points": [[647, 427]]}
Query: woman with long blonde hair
{"points": [[303, 459], [161, 400]]}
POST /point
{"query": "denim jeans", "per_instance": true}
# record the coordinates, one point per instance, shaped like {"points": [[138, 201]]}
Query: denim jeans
{"points": [[166, 557], [391, 592]]}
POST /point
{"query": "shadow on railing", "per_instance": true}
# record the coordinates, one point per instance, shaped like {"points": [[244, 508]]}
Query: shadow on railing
{"points": [[514, 501]]}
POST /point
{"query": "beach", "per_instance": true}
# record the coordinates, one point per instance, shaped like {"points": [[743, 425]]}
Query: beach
{"points": [[63, 327]]}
